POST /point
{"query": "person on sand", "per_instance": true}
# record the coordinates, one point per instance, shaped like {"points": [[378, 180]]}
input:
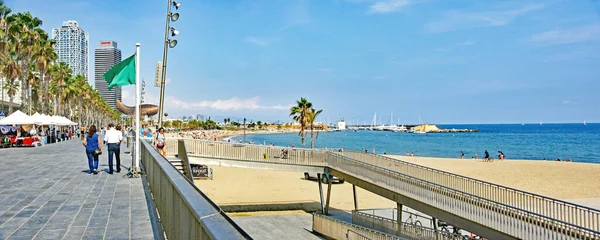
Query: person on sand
{"points": [[407, 154], [462, 155], [476, 156], [486, 155], [412, 154], [558, 159], [500, 155], [568, 160]]}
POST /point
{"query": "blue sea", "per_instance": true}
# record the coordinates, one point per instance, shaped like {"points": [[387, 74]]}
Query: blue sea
{"points": [[530, 141]]}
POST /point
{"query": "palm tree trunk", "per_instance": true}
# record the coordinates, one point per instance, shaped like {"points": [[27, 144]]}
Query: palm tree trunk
{"points": [[10, 105], [312, 137]]}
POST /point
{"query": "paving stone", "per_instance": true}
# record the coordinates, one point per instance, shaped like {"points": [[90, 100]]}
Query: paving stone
{"points": [[75, 233], [70, 203], [51, 234]]}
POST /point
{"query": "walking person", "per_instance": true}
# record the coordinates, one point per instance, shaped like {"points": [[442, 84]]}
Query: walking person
{"points": [[113, 139], [93, 147], [118, 148], [160, 142]]}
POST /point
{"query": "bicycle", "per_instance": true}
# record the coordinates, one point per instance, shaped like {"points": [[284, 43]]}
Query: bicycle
{"points": [[489, 159], [418, 227], [447, 234]]}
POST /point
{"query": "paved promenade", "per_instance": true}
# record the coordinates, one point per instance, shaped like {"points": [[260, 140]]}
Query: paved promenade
{"points": [[46, 193]]}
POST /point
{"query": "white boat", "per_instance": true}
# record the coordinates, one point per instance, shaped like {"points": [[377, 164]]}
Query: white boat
{"points": [[584, 123], [419, 132]]}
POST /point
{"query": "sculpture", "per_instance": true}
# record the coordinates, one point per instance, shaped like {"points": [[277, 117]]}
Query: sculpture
{"points": [[145, 109]]}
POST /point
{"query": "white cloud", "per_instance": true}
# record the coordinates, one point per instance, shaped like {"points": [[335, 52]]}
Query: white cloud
{"points": [[261, 41], [566, 102], [325, 70], [566, 36], [467, 43], [387, 6], [257, 41], [454, 21], [232, 104]]}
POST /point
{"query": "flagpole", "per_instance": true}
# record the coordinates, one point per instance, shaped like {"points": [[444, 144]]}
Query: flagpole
{"points": [[137, 107]]}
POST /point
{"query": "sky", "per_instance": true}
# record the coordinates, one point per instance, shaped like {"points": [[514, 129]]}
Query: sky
{"points": [[436, 61]]}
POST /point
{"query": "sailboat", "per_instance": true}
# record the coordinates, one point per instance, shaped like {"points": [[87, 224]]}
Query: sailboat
{"points": [[584, 123]]}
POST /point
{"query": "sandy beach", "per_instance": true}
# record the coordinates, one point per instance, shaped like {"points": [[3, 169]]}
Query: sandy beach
{"points": [[563, 180], [220, 135], [238, 186]]}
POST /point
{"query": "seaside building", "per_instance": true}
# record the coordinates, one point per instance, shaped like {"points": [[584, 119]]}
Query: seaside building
{"points": [[106, 55], [72, 47]]}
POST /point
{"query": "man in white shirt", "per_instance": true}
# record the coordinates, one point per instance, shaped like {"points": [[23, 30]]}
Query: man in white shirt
{"points": [[113, 139]]}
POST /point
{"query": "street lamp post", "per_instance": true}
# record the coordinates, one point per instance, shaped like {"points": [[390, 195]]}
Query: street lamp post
{"points": [[244, 130], [169, 43]]}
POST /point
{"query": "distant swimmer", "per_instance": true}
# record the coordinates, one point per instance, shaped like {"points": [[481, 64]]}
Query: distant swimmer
{"points": [[462, 155]]}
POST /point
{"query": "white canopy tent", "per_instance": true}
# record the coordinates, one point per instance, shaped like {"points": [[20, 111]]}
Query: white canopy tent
{"points": [[17, 117], [40, 119]]}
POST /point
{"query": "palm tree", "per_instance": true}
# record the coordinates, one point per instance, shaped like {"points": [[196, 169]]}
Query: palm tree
{"points": [[300, 113], [312, 116], [44, 55]]}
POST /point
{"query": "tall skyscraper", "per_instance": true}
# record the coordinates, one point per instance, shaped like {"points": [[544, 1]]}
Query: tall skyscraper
{"points": [[106, 56], [72, 47]]}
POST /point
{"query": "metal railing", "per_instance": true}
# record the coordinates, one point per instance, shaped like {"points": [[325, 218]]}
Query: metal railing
{"points": [[546, 206], [185, 212], [336, 229], [255, 153], [498, 207], [492, 214], [392, 226]]}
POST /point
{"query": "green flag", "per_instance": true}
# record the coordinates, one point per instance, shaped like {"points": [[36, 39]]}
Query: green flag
{"points": [[121, 74]]}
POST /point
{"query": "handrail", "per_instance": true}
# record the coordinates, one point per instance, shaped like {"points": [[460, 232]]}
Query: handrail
{"points": [[375, 234], [182, 154], [185, 211], [531, 218], [506, 197], [249, 152], [407, 229]]}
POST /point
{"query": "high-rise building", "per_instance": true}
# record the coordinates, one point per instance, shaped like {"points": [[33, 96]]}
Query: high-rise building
{"points": [[106, 56], [72, 47]]}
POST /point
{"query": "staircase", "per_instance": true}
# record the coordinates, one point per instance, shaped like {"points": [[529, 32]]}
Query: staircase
{"points": [[177, 163]]}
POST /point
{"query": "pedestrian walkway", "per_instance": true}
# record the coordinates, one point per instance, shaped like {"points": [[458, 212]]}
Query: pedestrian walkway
{"points": [[47, 193]]}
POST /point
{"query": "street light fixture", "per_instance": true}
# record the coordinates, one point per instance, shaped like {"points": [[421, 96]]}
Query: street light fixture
{"points": [[244, 130], [169, 43]]}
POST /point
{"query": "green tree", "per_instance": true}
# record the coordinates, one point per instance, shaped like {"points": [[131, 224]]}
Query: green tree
{"points": [[259, 123], [299, 113]]}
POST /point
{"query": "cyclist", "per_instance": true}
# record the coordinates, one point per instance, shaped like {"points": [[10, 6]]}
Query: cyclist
{"points": [[486, 155]]}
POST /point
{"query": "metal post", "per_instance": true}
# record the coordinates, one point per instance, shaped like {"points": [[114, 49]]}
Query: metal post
{"points": [[321, 192], [164, 66], [354, 194], [29, 99], [399, 217], [435, 227], [328, 195], [245, 132], [137, 107]]}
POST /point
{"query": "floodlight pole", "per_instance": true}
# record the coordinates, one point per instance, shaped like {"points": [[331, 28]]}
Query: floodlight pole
{"points": [[164, 66]]}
